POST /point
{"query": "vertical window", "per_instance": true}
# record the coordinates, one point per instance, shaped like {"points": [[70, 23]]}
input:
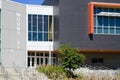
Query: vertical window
{"points": [[45, 23], [39, 23]]}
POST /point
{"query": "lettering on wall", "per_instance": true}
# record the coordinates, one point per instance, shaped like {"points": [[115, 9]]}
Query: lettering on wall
{"points": [[18, 24]]}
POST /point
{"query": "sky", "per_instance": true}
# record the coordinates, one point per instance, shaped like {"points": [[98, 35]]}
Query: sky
{"points": [[37, 2]]}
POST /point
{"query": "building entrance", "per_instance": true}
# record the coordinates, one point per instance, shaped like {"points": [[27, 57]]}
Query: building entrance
{"points": [[41, 58]]}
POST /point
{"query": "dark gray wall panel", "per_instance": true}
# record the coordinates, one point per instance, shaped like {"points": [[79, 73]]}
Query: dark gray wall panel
{"points": [[73, 26]]}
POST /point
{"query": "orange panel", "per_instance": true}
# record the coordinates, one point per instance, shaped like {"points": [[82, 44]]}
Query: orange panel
{"points": [[90, 18], [106, 5], [91, 6]]}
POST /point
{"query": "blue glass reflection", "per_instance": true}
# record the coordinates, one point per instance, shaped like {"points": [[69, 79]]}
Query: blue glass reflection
{"points": [[34, 36], [45, 23], [45, 36], [29, 36], [118, 30], [39, 22], [111, 30], [105, 30], [99, 21], [29, 26], [105, 21], [111, 21], [99, 30], [117, 21], [39, 36]]}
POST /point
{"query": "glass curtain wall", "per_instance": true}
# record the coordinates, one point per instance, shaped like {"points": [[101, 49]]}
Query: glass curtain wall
{"points": [[40, 27], [106, 20]]}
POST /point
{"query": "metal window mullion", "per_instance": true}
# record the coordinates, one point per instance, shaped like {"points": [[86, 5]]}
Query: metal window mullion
{"points": [[35, 60], [42, 27], [48, 29], [102, 24], [37, 27], [108, 25], [52, 28], [109, 22], [115, 25], [96, 26], [31, 27]]}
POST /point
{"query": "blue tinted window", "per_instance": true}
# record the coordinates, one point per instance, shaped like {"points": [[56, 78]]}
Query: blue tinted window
{"points": [[34, 27], [99, 10], [105, 9], [29, 26], [111, 10], [29, 36], [38, 27], [111, 21], [105, 21], [117, 21], [39, 22], [40, 37], [104, 24], [45, 36], [45, 23], [94, 29], [118, 30], [111, 30], [95, 10], [99, 21], [99, 30], [95, 21], [34, 19], [105, 30], [117, 10], [29, 18], [34, 36]]}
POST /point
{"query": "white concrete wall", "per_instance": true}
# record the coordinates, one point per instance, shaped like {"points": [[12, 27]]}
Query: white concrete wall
{"points": [[35, 9], [13, 34], [40, 46]]}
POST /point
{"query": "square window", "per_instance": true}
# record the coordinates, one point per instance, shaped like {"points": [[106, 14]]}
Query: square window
{"points": [[99, 21], [99, 10], [111, 30], [117, 30], [111, 10], [34, 36], [94, 60], [29, 36], [105, 30], [45, 36], [40, 36], [100, 60], [99, 30], [111, 21], [105, 9], [105, 21]]}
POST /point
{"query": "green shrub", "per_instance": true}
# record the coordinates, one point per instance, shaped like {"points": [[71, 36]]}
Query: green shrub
{"points": [[53, 72], [70, 58]]}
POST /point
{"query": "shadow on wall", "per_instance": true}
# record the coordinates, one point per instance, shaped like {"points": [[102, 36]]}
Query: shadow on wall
{"points": [[91, 36]]}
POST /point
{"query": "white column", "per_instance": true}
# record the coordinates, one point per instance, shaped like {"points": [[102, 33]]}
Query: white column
{"points": [[43, 58], [35, 61], [50, 55]]}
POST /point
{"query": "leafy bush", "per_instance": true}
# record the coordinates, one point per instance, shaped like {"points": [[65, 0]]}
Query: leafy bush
{"points": [[53, 72], [70, 58]]}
